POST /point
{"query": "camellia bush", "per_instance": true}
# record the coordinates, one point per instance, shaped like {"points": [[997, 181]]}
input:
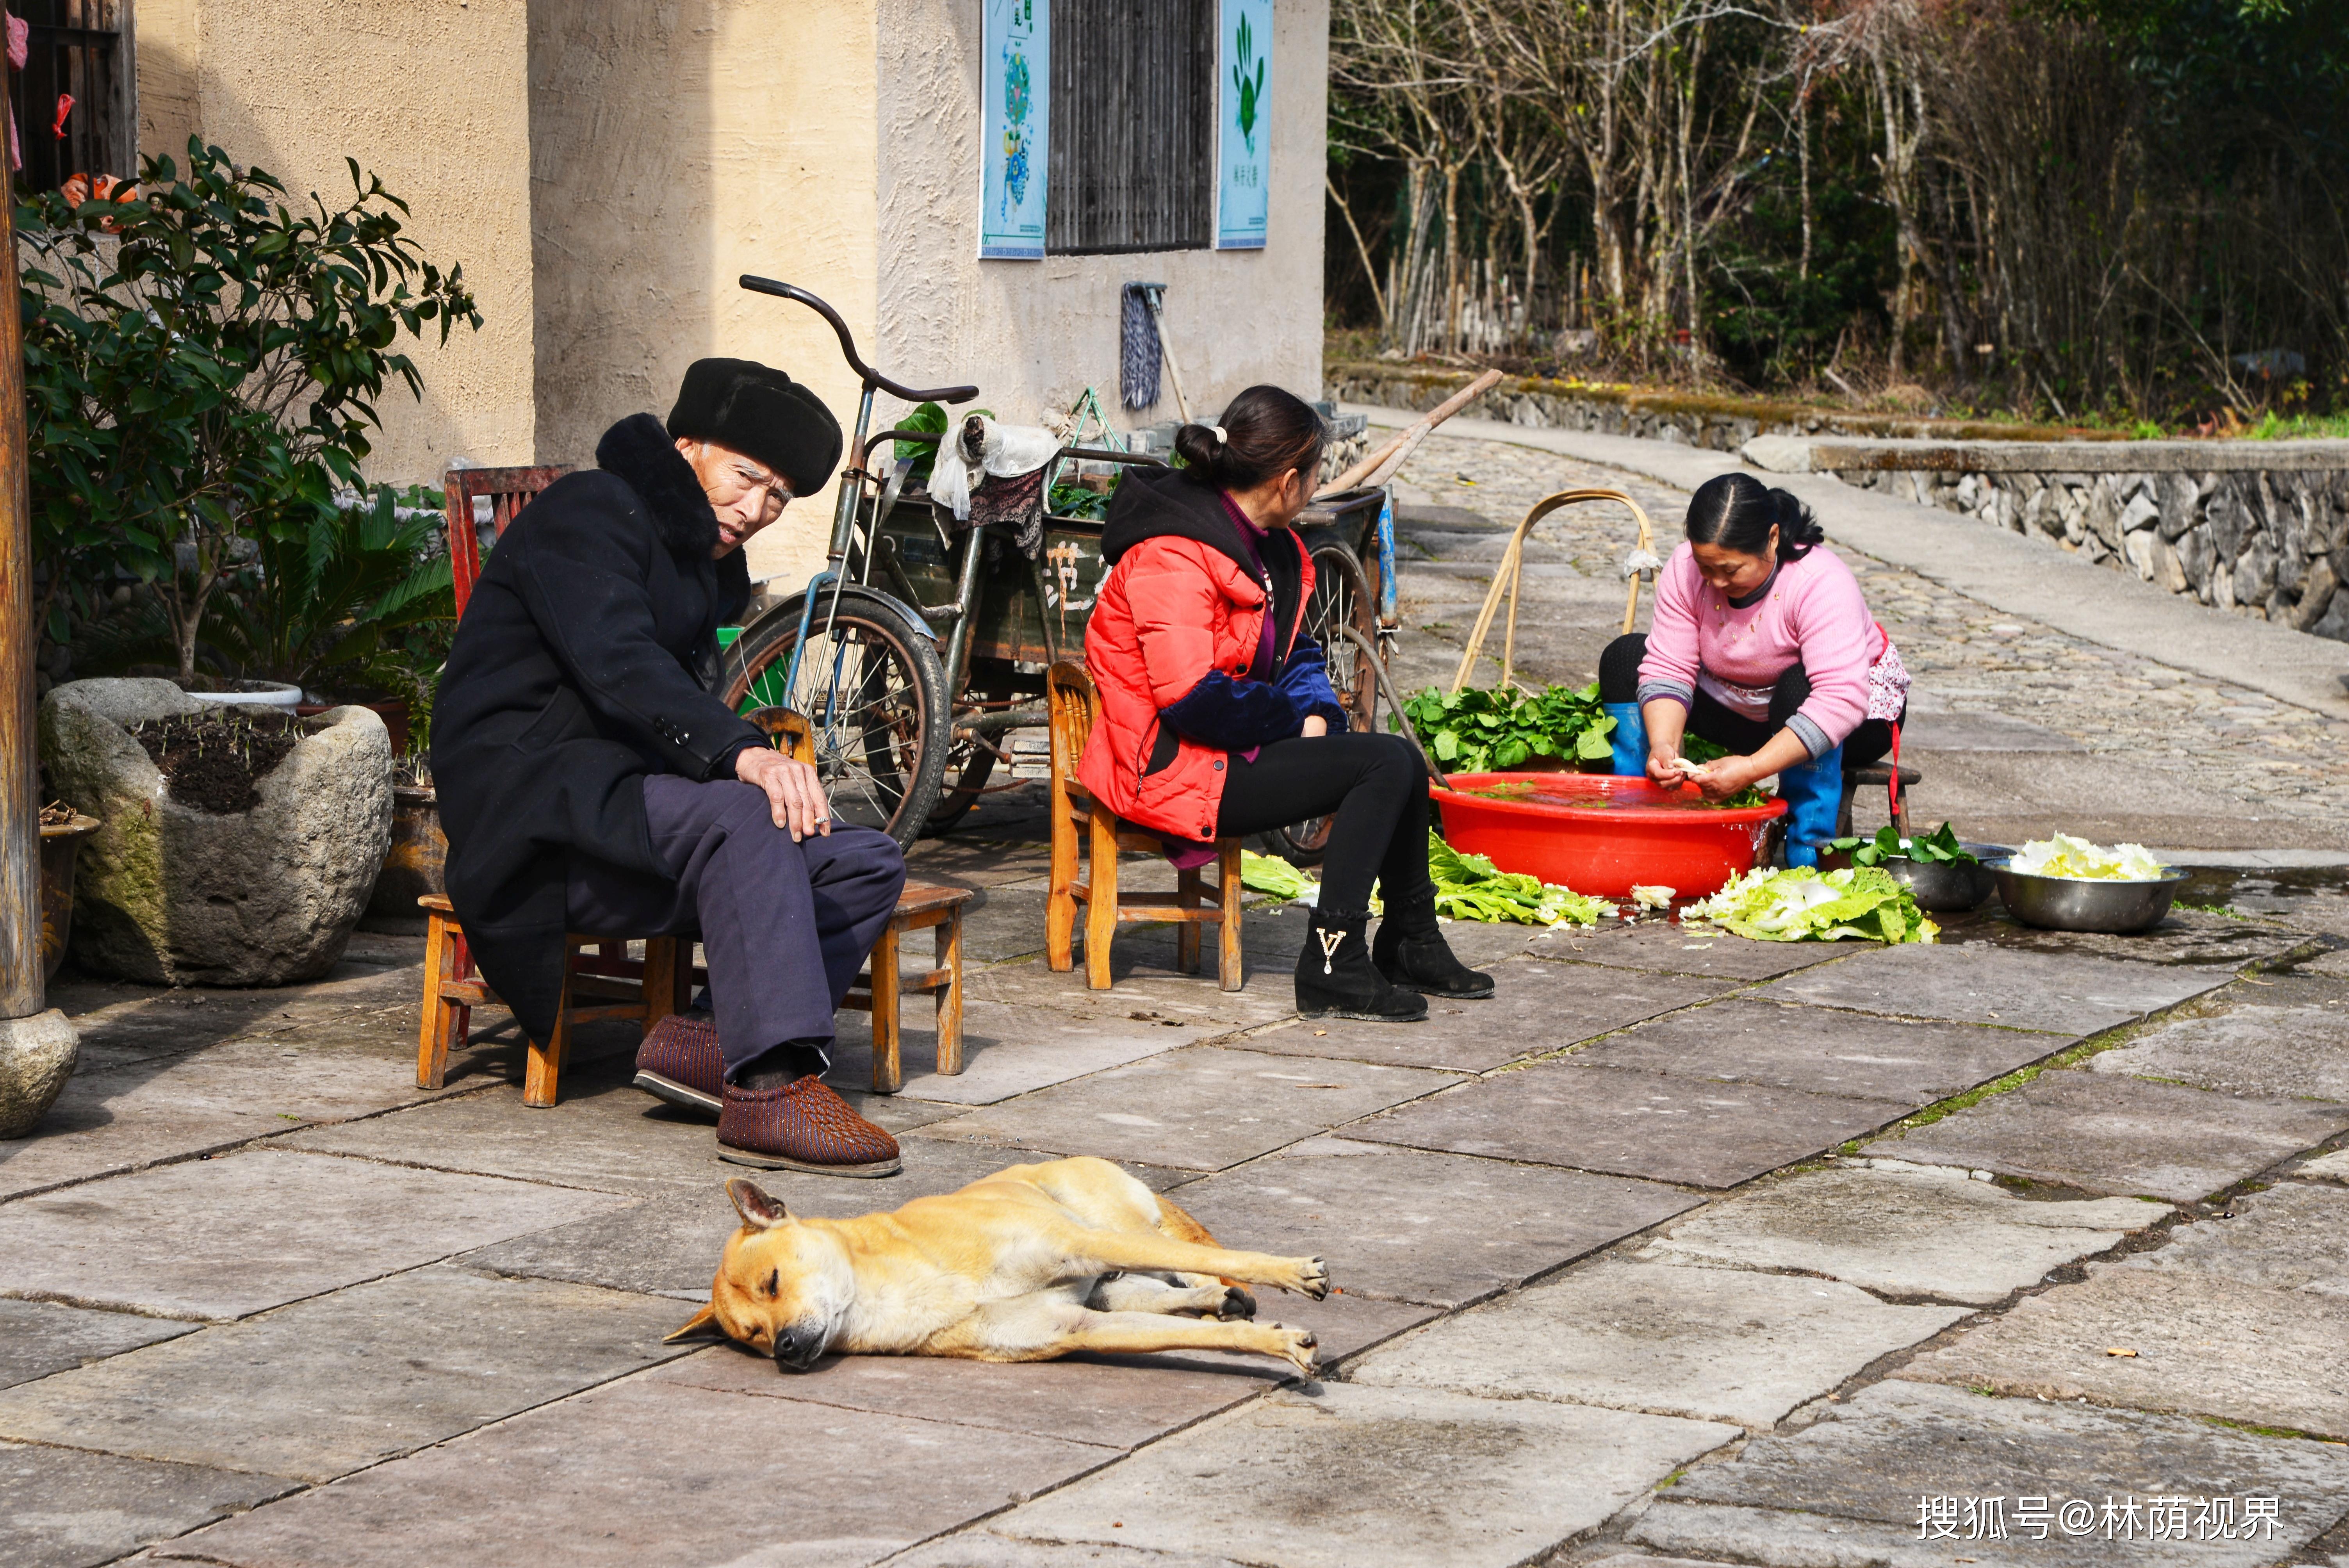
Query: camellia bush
{"points": [[202, 366]]}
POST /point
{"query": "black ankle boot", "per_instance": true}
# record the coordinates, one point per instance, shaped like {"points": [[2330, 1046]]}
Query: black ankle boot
{"points": [[1335, 978], [1413, 955]]}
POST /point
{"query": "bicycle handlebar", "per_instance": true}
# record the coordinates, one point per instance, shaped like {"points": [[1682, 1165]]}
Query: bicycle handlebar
{"points": [[872, 377]]}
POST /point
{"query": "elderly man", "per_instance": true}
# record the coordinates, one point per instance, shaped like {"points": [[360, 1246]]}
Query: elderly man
{"points": [[591, 780]]}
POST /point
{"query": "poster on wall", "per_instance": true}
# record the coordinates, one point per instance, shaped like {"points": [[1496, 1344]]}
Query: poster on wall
{"points": [[1015, 126], [1244, 125]]}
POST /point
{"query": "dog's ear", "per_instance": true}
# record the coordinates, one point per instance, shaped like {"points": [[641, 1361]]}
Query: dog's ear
{"points": [[702, 1322], [759, 1211]]}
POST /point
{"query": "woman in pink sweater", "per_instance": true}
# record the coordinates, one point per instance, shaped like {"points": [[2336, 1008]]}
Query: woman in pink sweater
{"points": [[1760, 643]]}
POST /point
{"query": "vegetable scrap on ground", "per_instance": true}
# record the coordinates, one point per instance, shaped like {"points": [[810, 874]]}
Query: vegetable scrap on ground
{"points": [[1801, 904], [1467, 887]]}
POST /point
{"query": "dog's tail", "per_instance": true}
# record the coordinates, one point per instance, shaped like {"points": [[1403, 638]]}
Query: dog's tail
{"points": [[1173, 1221]]}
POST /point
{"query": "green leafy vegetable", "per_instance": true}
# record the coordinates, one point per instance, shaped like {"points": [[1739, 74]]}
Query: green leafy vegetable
{"points": [[1488, 732], [1270, 873], [1801, 904], [1697, 748], [1470, 887], [1939, 847]]}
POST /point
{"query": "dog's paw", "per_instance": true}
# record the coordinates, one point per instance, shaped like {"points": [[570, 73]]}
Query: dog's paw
{"points": [[1237, 1304], [1313, 1278], [1297, 1348]]}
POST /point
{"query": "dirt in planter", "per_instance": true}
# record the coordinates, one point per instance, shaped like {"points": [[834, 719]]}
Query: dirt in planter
{"points": [[213, 762]]}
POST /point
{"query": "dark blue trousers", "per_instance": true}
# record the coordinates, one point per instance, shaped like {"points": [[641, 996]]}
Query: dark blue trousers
{"points": [[784, 927]]}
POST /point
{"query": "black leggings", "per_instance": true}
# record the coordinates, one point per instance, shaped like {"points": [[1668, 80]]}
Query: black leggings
{"points": [[1372, 787], [1619, 681]]}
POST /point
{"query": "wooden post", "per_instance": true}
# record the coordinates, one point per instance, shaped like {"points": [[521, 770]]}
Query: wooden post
{"points": [[22, 990]]}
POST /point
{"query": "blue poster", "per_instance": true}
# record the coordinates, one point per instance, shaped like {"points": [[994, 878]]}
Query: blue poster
{"points": [[1244, 123], [1015, 88]]}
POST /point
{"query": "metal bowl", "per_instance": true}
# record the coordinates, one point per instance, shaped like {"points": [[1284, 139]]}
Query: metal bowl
{"points": [[2063, 903], [1941, 887]]}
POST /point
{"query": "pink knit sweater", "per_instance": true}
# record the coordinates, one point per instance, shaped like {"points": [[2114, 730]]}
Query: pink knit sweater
{"points": [[1811, 612]]}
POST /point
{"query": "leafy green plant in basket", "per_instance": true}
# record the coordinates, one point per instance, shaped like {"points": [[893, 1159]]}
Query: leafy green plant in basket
{"points": [[1475, 731], [200, 368]]}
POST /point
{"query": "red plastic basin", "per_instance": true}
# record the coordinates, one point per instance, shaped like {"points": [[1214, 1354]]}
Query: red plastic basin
{"points": [[1601, 833]]}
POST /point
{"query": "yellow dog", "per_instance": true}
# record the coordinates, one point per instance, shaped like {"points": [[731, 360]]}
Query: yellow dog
{"points": [[1030, 1264]]}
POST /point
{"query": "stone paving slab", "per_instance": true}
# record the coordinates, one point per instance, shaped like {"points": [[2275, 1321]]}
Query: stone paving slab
{"points": [[2184, 937], [164, 1108], [1116, 1402], [1191, 1000], [1200, 1110], [322, 1387], [1535, 1007], [1440, 1228], [2110, 1133], [1719, 1344], [1988, 984], [39, 1337], [1690, 1131], [644, 1475], [1824, 1050], [979, 1548], [1007, 1050], [604, 1134], [2287, 1052], [1664, 945], [2332, 1167], [223, 1238], [1845, 1491], [60, 1509], [2293, 1236], [1921, 1230], [668, 1244], [2205, 1344], [1356, 1475]]}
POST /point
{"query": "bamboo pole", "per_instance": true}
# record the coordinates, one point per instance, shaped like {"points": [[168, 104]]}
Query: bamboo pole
{"points": [[1511, 566], [1380, 466], [21, 987]]}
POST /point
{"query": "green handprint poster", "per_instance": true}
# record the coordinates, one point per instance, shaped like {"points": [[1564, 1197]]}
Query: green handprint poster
{"points": [[1014, 79], [1244, 131]]}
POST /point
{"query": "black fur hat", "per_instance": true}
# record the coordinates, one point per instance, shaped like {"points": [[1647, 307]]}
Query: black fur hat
{"points": [[761, 413]]}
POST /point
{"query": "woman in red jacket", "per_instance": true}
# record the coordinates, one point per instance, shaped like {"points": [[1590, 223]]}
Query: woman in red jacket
{"points": [[1217, 718]]}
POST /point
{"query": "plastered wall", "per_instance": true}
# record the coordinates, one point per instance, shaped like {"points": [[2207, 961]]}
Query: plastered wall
{"points": [[674, 147], [1035, 334], [429, 94]]}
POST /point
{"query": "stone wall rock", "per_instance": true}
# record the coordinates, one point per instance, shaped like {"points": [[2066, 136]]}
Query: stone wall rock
{"points": [[167, 894]]}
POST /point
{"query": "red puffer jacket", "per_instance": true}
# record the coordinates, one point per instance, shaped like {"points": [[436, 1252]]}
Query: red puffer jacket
{"points": [[1171, 643]]}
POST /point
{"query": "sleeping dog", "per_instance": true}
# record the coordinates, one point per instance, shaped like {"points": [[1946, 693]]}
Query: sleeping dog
{"points": [[1030, 1264]]}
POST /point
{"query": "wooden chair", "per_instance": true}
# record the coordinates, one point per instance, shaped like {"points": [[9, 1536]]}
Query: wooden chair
{"points": [[599, 981], [509, 491], [1074, 707], [920, 907], [1879, 775]]}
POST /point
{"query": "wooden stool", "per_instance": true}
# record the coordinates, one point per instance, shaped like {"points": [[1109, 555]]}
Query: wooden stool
{"points": [[599, 981], [1074, 706], [878, 990], [1878, 774]]}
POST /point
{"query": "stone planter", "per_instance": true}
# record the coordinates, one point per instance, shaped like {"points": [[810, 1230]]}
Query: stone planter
{"points": [[418, 859], [61, 847], [168, 894], [36, 1057]]}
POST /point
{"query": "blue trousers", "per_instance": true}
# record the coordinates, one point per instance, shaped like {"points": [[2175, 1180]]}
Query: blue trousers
{"points": [[785, 927]]}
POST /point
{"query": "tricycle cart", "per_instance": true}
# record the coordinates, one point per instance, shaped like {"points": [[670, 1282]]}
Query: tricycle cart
{"points": [[923, 642]]}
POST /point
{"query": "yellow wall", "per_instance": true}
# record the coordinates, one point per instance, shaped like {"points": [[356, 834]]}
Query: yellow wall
{"points": [[678, 147], [429, 94]]}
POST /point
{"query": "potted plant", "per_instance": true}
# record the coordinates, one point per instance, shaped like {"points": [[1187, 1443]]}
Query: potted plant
{"points": [[201, 366]]}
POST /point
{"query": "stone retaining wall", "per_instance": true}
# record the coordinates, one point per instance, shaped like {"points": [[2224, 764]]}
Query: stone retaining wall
{"points": [[1686, 419], [2260, 528]]}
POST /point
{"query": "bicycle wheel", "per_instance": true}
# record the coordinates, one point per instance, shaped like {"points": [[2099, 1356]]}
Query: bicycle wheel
{"points": [[1342, 597], [874, 691]]}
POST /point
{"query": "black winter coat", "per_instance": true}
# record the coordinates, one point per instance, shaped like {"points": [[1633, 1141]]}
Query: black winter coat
{"points": [[587, 658]]}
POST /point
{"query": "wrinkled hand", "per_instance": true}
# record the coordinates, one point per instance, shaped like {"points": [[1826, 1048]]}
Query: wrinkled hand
{"points": [[1723, 777], [1314, 724], [794, 793], [1664, 766]]}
